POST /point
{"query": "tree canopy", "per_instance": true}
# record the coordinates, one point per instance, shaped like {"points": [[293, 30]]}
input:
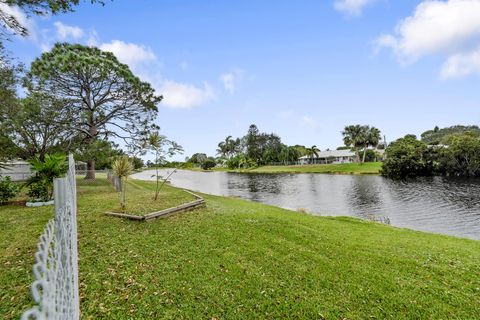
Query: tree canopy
{"points": [[10, 24], [103, 96], [361, 136], [36, 126], [438, 136], [408, 157], [101, 151], [462, 157], [10, 76]]}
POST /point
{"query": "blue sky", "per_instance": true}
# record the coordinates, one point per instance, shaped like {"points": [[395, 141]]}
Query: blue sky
{"points": [[301, 69]]}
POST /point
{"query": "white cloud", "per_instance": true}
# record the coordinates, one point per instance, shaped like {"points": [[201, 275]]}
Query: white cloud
{"points": [[65, 32], [448, 28], [179, 95], [129, 53], [144, 63], [351, 7], [461, 65], [230, 80], [20, 17]]}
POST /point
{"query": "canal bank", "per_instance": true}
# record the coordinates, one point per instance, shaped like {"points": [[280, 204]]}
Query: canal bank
{"points": [[241, 259], [438, 205]]}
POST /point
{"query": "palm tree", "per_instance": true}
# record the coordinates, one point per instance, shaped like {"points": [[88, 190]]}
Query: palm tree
{"points": [[236, 146], [372, 138], [226, 148], [289, 154], [312, 152], [354, 136]]}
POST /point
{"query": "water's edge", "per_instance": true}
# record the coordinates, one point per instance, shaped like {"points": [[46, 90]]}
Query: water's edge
{"points": [[435, 205]]}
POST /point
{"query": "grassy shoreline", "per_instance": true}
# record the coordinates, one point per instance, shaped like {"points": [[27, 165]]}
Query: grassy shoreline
{"points": [[240, 259], [345, 168]]}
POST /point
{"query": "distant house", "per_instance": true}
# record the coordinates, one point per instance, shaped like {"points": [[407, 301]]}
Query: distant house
{"points": [[330, 157], [17, 170]]}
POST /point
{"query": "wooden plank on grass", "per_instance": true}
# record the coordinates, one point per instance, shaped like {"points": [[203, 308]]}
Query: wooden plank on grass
{"points": [[200, 202], [180, 208]]}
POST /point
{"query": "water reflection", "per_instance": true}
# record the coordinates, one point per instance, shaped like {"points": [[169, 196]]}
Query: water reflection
{"points": [[363, 194], [442, 205]]}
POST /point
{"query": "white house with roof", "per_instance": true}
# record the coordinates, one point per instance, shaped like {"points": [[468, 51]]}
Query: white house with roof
{"points": [[330, 156]]}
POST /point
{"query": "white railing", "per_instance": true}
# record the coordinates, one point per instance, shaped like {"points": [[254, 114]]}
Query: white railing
{"points": [[55, 289]]}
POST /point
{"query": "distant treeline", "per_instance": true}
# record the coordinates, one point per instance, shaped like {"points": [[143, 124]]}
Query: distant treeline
{"points": [[437, 135], [453, 151], [254, 149], [257, 148]]}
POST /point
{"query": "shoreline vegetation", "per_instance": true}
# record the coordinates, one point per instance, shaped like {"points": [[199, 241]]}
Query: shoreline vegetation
{"points": [[237, 258], [344, 168]]}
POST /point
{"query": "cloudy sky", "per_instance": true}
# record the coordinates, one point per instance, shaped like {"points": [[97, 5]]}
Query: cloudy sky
{"points": [[301, 69]]}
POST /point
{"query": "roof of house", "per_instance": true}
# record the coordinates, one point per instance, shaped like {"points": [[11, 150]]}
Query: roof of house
{"points": [[332, 153]]}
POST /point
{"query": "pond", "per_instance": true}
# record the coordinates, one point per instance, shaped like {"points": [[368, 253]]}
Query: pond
{"points": [[440, 205]]}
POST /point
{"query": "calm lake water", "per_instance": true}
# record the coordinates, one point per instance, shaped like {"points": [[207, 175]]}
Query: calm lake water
{"points": [[441, 205]]}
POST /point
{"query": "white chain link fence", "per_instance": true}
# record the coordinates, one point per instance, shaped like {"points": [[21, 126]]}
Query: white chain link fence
{"points": [[55, 289], [114, 180]]}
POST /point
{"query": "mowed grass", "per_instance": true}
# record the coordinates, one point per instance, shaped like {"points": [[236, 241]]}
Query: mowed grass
{"points": [[344, 168], [236, 259], [140, 198]]}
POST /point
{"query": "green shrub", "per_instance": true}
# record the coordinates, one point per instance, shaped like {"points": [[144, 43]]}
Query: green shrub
{"points": [[41, 185], [39, 190], [8, 189], [462, 157], [137, 163], [208, 164], [408, 157], [241, 162]]}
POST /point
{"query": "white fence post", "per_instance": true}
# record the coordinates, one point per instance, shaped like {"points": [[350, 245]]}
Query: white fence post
{"points": [[55, 289]]}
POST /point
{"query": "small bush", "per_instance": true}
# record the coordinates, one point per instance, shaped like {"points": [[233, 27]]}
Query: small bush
{"points": [[241, 162], [208, 164], [39, 190], [8, 189], [41, 184]]}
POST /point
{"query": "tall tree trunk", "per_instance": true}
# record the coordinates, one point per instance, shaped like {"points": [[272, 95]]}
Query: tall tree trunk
{"points": [[357, 154], [364, 153], [90, 175], [91, 163]]}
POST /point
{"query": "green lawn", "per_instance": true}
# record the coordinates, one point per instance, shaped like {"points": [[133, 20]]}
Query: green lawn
{"points": [[243, 260], [345, 168], [140, 199]]}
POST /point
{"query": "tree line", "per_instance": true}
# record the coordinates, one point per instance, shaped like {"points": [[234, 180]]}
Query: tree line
{"points": [[74, 99], [257, 148], [77, 99], [453, 151]]}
